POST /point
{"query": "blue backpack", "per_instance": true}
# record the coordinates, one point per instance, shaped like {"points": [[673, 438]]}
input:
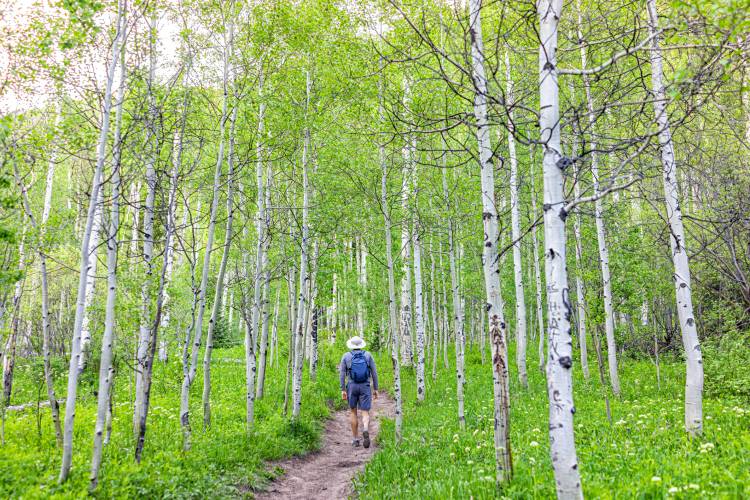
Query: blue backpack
{"points": [[359, 372]]}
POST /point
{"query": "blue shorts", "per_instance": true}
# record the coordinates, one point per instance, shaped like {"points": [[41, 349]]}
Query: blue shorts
{"points": [[359, 395]]}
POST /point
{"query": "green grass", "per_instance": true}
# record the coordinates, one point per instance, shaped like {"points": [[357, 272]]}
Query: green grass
{"points": [[644, 453], [223, 462]]}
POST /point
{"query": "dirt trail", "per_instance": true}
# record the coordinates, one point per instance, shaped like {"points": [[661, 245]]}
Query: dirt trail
{"points": [[328, 473]]}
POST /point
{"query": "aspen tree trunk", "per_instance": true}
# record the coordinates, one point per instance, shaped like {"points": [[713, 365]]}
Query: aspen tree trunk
{"points": [[169, 230], [314, 340], [40, 229], [303, 273], [135, 197], [444, 323], [360, 281], [393, 324], [216, 311], [334, 308], [601, 234], [419, 313], [406, 239], [106, 368], [291, 288], [250, 369], [274, 332], [494, 306], [176, 164], [266, 291], [75, 350], [145, 335], [197, 327], [482, 336], [683, 290], [458, 319], [312, 314], [261, 217], [537, 273], [290, 321], [91, 279], [559, 353], [515, 212], [434, 309], [9, 361], [580, 294]]}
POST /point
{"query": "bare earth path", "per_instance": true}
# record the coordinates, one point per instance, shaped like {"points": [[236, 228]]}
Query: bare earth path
{"points": [[328, 473]]}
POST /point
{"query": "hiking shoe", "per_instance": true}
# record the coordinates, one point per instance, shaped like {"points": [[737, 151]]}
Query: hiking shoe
{"points": [[366, 442], [355, 443]]}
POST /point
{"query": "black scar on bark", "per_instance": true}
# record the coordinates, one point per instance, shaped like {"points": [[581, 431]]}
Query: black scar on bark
{"points": [[546, 207], [564, 162], [548, 66], [487, 306], [566, 362], [486, 215], [567, 304], [690, 321], [551, 253]]}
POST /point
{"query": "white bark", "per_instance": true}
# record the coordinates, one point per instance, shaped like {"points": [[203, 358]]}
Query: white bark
{"points": [[334, 308], [312, 326], [419, 314], [683, 290], [189, 371], [515, 214], [406, 238], [135, 197], [91, 279], [580, 294], [537, 273], [601, 234], [458, 318], [494, 306], [145, 335], [176, 164], [260, 386], [559, 353], [75, 350], [216, 311], [274, 355], [106, 370], [435, 314], [260, 219], [303, 273], [41, 251], [393, 324]]}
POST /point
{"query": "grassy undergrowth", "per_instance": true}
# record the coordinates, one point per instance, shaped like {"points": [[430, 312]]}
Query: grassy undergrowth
{"points": [[644, 453], [222, 462]]}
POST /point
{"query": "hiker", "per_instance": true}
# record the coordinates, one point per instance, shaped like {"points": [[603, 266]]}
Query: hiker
{"points": [[359, 366]]}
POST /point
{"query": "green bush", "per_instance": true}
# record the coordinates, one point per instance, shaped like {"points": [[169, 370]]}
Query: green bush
{"points": [[724, 360]]}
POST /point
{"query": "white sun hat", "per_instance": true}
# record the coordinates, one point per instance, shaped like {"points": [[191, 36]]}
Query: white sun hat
{"points": [[355, 343]]}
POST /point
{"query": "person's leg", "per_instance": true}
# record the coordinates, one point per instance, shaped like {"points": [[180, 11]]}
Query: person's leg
{"points": [[365, 403], [353, 399], [365, 420], [353, 421]]}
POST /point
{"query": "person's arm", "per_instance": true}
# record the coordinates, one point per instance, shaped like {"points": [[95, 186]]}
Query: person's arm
{"points": [[342, 373], [373, 373]]}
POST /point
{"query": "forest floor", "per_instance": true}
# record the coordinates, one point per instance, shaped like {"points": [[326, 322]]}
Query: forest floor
{"points": [[329, 472]]}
